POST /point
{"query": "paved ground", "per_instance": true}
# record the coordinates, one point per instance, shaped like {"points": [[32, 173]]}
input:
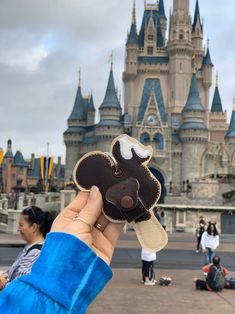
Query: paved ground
{"points": [[125, 293]]}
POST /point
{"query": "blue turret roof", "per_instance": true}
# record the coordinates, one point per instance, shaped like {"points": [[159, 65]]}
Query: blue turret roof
{"points": [[162, 9], [74, 129], [150, 84], [216, 103], [79, 111], [147, 15], [132, 37], [231, 130], [9, 150], [196, 17], [193, 102], [110, 98], [8, 154], [19, 159], [207, 58], [193, 125], [91, 104], [36, 171]]}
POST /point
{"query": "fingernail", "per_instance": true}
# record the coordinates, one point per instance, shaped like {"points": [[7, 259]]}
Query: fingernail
{"points": [[93, 193]]}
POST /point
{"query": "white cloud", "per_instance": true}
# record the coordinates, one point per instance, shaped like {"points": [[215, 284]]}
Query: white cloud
{"points": [[29, 59]]}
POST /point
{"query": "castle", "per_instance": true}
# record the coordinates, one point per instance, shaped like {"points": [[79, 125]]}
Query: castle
{"points": [[167, 80]]}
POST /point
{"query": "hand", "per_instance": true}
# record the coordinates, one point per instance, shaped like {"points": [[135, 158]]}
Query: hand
{"points": [[88, 207], [3, 282]]}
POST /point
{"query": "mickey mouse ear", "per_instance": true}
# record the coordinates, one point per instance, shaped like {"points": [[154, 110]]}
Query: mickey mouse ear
{"points": [[151, 234]]}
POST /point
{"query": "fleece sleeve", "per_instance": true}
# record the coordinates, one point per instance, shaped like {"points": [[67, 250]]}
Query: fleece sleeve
{"points": [[65, 279]]}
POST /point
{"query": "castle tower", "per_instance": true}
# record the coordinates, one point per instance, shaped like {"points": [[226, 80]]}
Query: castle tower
{"points": [[193, 133], [207, 67], [110, 111], [180, 49], [218, 118], [230, 139], [131, 64], [8, 161], [90, 111], [230, 135], [197, 37], [146, 57], [73, 136]]}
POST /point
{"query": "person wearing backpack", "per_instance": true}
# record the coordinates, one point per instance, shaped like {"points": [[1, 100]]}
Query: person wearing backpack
{"points": [[215, 280], [210, 242], [34, 224]]}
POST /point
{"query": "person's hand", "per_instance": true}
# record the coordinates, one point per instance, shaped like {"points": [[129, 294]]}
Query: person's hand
{"points": [[79, 219], [3, 282]]}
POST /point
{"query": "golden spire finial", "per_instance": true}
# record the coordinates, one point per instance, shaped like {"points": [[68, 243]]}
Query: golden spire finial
{"points": [[208, 43], [233, 103], [133, 14]]}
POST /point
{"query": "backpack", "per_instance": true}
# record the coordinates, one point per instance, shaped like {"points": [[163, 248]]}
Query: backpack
{"points": [[216, 278]]}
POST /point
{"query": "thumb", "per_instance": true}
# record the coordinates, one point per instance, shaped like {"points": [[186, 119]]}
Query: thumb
{"points": [[92, 210]]}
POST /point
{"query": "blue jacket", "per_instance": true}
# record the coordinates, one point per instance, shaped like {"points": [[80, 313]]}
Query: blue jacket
{"points": [[65, 279]]}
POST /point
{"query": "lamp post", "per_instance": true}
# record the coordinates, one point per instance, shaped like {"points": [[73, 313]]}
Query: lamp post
{"points": [[46, 175]]}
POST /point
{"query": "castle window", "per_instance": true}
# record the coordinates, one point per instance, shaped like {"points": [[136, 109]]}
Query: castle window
{"points": [[150, 37], [181, 36], [144, 137], [158, 138], [149, 50]]}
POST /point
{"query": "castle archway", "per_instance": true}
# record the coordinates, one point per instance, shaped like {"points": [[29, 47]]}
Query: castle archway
{"points": [[161, 179]]}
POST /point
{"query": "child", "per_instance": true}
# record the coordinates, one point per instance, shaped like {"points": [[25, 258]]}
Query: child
{"points": [[148, 275]]}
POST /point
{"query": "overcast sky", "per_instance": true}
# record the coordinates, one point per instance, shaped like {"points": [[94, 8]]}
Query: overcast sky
{"points": [[44, 42]]}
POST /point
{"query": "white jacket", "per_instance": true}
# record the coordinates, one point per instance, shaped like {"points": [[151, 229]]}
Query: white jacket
{"points": [[148, 256], [209, 241]]}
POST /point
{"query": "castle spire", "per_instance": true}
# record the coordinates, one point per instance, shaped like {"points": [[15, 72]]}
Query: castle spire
{"points": [[110, 98], [193, 101], [197, 18], [79, 77], [207, 57], [133, 14], [132, 37], [231, 130], [216, 103], [79, 111], [161, 9]]}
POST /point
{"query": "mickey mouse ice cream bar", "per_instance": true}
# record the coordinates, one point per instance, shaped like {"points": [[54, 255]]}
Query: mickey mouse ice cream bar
{"points": [[128, 188]]}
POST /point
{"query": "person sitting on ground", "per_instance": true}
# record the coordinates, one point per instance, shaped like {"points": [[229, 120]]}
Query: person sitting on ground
{"points": [[73, 265], [148, 274], [34, 224], [215, 280]]}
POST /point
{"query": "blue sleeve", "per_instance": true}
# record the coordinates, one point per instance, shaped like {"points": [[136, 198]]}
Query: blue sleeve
{"points": [[65, 279]]}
